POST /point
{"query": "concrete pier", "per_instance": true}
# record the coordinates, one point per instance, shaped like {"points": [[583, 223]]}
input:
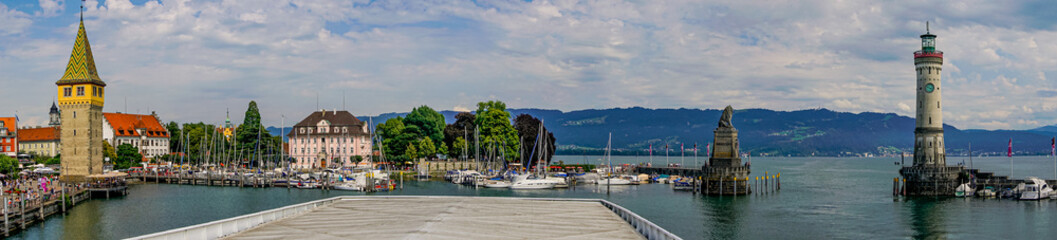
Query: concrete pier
{"points": [[431, 217]]}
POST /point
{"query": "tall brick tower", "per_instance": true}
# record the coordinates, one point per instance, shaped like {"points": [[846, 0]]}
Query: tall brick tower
{"points": [[80, 97]]}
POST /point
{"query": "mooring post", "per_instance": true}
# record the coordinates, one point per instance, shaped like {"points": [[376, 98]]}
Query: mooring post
{"points": [[895, 186], [778, 181], [904, 186], [6, 228], [63, 195], [735, 186]]}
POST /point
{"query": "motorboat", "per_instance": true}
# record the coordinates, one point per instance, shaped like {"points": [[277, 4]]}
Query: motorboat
{"points": [[497, 184], [559, 181], [964, 190], [683, 184], [1035, 189], [988, 192], [614, 181], [525, 182], [349, 186]]}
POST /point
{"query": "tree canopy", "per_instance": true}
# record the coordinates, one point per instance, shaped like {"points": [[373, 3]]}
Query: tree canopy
{"points": [[495, 128], [127, 156], [461, 128], [528, 128], [430, 122]]}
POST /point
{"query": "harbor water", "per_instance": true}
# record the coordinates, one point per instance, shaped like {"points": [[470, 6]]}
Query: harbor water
{"points": [[828, 198]]}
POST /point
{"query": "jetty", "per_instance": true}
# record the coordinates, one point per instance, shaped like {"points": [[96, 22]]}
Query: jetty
{"points": [[430, 217]]}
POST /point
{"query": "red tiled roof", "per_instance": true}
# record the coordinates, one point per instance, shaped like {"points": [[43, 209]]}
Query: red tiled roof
{"points": [[9, 123], [38, 134], [125, 125]]}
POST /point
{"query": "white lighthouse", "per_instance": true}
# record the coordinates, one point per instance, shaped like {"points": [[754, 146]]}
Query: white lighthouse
{"points": [[928, 134]]}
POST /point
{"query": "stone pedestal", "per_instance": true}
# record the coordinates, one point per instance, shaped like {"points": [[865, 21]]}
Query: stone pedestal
{"points": [[931, 180], [724, 174]]}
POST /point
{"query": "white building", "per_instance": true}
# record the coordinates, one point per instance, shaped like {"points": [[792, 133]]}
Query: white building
{"points": [[328, 139], [144, 132]]}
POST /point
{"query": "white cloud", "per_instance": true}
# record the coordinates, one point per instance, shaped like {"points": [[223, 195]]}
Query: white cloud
{"points": [[14, 21], [51, 7], [179, 56]]}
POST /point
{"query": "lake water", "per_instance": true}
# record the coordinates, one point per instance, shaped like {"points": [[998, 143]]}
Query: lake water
{"points": [[827, 198]]}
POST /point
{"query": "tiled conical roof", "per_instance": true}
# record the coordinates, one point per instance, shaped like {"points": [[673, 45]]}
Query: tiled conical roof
{"points": [[81, 68]]}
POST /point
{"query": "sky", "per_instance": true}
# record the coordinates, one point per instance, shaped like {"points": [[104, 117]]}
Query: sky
{"points": [[191, 61]]}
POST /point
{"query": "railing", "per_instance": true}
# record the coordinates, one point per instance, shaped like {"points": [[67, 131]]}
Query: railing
{"points": [[919, 54], [221, 228], [225, 227], [645, 227]]}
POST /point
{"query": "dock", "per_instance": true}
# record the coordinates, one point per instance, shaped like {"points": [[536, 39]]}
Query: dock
{"points": [[431, 217]]}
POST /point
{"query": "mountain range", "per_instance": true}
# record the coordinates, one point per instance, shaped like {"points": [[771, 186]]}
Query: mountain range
{"points": [[814, 132]]}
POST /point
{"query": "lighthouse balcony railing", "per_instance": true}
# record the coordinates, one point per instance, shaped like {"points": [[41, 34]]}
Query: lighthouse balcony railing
{"points": [[919, 54]]}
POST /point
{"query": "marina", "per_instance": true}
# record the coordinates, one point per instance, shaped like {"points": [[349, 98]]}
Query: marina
{"points": [[825, 197]]}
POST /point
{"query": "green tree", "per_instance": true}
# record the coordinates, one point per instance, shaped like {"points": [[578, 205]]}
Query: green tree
{"points": [[461, 128], [430, 122], [411, 153], [108, 150], [495, 128], [57, 159], [174, 136], [457, 147], [8, 165], [127, 156], [426, 148], [250, 130]]}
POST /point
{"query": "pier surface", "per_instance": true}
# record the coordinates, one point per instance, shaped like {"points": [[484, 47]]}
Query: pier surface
{"points": [[431, 217], [449, 218]]}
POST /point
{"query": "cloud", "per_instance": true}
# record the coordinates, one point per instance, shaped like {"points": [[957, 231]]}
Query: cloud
{"points": [[14, 21], [177, 56], [51, 7]]}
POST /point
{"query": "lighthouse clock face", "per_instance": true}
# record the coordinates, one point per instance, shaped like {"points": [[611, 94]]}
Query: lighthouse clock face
{"points": [[929, 88]]}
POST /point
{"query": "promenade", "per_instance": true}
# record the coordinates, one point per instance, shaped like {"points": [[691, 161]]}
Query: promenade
{"points": [[431, 217]]}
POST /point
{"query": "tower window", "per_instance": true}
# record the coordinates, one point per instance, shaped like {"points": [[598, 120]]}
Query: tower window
{"points": [[74, 114], [930, 120], [937, 104], [80, 91], [66, 91]]}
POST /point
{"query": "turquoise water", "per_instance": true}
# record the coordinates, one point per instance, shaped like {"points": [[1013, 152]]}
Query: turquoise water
{"points": [[828, 198]]}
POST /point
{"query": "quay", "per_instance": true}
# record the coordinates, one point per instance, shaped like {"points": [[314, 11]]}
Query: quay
{"points": [[20, 214], [431, 217]]}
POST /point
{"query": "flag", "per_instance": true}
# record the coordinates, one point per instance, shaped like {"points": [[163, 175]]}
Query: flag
{"points": [[708, 148], [1010, 152], [651, 148], [682, 148], [695, 147], [665, 147], [1053, 146]]}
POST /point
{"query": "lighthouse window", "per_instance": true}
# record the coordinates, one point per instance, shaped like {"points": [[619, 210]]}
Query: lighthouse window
{"points": [[930, 120], [937, 104]]}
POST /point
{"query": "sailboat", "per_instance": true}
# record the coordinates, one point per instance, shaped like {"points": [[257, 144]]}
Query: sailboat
{"points": [[964, 190], [610, 179]]}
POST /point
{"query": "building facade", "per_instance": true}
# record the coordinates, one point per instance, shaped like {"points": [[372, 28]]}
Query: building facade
{"points": [[9, 136], [42, 141], [54, 118], [81, 97], [328, 139], [145, 132]]}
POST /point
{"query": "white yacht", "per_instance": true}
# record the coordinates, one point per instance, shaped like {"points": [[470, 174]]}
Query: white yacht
{"points": [[523, 182], [497, 184], [614, 181], [1035, 189]]}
